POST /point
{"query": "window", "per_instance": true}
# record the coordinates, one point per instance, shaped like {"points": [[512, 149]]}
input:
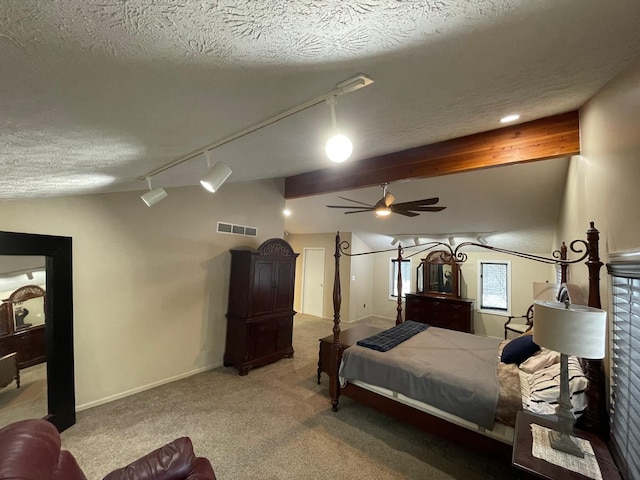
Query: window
{"points": [[393, 277], [625, 366], [494, 287]]}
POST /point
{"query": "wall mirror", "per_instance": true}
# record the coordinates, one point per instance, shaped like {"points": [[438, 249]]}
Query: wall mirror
{"points": [[23, 372], [36, 323], [441, 274]]}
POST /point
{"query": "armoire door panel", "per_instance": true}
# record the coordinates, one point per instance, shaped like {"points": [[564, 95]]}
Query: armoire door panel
{"points": [[263, 288], [283, 295]]}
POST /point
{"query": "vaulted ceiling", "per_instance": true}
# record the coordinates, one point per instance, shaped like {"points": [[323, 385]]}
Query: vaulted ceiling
{"points": [[97, 94]]}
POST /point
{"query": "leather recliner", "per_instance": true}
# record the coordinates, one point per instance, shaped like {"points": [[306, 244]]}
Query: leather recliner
{"points": [[31, 450]]}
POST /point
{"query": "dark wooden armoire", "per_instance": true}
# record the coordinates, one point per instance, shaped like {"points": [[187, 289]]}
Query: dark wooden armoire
{"points": [[260, 312]]}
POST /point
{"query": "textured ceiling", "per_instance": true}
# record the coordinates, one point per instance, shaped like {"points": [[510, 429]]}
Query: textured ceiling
{"points": [[95, 94]]}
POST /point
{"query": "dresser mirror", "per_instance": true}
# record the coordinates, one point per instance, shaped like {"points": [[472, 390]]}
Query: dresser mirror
{"points": [[24, 307], [441, 274]]}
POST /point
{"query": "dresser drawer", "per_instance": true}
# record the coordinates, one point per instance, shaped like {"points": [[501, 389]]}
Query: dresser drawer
{"points": [[443, 312]]}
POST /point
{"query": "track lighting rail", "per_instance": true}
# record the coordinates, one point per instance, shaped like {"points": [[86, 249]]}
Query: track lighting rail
{"points": [[347, 86]]}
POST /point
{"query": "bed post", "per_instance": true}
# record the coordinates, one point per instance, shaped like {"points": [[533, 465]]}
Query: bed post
{"points": [[563, 266], [334, 385], [399, 307], [595, 416], [594, 264]]}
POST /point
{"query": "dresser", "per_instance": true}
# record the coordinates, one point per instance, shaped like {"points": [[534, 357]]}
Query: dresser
{"points": [[29, 344], [21, 331], [440, 311], [260, 310]]}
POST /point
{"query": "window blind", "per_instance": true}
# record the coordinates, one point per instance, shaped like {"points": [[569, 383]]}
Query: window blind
{"points": [[625, 368], [406, 278], [494, 283]]}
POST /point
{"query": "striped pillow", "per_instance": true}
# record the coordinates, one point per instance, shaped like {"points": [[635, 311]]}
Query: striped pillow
{"points": [[544, 389]]}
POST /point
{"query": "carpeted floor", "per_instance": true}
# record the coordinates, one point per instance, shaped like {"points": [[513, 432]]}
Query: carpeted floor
{"points": [[275, 423], [28, 401]]}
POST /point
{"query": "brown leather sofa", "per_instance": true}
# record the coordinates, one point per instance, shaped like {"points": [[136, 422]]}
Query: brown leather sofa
{"points": [[31, 450]]}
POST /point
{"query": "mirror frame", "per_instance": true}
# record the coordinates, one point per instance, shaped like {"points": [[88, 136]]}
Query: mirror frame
{"points": [[59, 318], [441, 257], [420, 278]]}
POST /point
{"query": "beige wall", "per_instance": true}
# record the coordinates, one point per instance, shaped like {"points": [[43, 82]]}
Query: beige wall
{"points": [[602, 185], [150, 284], [361, 289], [327, 241]]}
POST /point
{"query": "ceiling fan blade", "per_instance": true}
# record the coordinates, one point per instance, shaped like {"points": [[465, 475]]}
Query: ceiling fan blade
{"points": [[364, 209], [428, 209], [406, 213], [358, 211], [355, 201], [418, 203]]}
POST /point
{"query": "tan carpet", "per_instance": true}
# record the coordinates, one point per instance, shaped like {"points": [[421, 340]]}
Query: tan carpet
{"points": [[275, 423], [28, 401]]}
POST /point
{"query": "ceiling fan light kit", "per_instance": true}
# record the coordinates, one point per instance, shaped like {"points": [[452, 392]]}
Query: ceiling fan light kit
{"points": [[383, 212], [338, 149], [386, 206]]}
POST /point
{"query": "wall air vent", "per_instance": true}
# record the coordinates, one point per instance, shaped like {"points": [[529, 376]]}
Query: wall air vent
{"points": [[237, 229]]}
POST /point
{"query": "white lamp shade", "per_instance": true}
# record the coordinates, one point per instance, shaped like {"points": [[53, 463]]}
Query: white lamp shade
{"points": [[215, 177], [339, 148], [577, 330], [153, 196]]}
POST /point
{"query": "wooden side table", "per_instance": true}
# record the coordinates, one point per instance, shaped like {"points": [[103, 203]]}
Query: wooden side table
{"points": [[537, 468], [347, 338]]}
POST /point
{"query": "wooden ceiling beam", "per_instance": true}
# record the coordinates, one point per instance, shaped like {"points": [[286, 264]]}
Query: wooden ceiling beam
{"points": [[550, 137]]}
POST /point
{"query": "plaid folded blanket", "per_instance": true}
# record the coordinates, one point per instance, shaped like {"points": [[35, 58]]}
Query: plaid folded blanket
{"points": [[394, 336]]}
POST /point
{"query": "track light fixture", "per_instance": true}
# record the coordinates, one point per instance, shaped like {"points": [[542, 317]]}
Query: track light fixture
{"points": [[394, 241], [347, 86], [154, 195], [339, 147], [216, 175]]}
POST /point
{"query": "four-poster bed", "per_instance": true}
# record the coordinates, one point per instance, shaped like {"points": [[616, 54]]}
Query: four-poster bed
{"points": [[477, 434]]}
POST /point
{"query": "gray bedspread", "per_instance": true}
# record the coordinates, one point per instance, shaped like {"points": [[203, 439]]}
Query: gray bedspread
{"points": [[447, 369]]}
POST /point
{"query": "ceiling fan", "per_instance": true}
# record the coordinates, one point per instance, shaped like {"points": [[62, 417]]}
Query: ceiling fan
{"points": [[385, 205]]}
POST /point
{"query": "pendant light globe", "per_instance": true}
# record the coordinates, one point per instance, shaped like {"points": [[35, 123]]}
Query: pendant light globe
{"points": [[339, 148]]}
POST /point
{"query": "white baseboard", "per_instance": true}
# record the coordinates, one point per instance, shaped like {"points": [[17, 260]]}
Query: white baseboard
{"points": [[149, 386]]}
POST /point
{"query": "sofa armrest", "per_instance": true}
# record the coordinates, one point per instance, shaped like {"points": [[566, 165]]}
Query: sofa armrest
{"points": [[173, 461], [68, 468], [202, 470]]}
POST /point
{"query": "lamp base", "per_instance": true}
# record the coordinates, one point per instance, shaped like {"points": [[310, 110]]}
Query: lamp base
{"points": [[565, 443]]}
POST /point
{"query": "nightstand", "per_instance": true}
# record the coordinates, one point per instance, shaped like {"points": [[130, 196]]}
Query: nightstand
{"points": [[538, 468], [347, 338]]}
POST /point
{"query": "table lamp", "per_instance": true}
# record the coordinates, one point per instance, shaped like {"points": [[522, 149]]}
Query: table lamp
{"points": [[571, 330]]}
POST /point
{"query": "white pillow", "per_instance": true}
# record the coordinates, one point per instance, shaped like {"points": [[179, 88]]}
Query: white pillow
{"points": [[544, 389], [539, 360]]}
